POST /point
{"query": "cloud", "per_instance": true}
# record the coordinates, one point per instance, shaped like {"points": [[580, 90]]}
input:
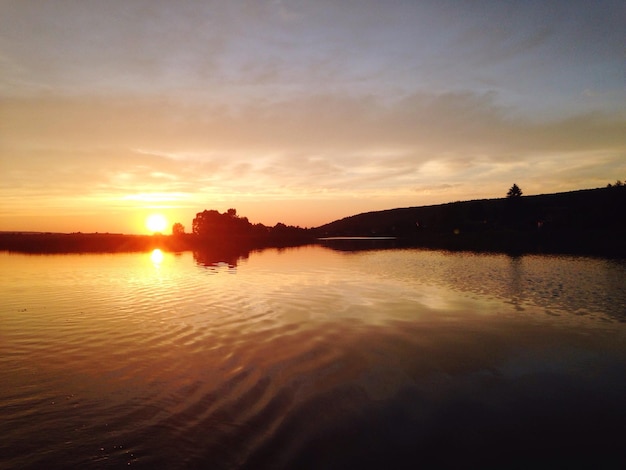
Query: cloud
{"points": [[535, 55], [339, 132]]}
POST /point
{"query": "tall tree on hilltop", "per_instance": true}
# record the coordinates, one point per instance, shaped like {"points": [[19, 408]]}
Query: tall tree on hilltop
{"points": [[514, 192]]}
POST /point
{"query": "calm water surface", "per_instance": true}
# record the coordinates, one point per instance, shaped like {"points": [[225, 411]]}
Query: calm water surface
{"points": [[312, 358]]}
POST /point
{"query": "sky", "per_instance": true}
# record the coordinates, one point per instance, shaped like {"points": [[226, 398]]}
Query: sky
{"points": [[301, 112]]}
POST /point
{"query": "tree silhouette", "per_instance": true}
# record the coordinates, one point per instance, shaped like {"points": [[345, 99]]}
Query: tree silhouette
{"points": [[210, 223], [178, 229], [514, 192]]}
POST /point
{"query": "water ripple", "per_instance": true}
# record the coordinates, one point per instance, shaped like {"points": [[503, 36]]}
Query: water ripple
{"points": [[302, 359]]}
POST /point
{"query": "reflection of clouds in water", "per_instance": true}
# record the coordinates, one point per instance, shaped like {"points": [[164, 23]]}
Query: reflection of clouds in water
{"points": [[434, 298], [568, 284], [558, 284], [516, 293]]}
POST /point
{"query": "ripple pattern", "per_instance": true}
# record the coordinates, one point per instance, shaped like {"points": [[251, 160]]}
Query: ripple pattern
{"points": [[306, 358]]}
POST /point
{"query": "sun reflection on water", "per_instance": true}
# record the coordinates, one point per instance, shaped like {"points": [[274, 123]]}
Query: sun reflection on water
{"points": [[156, 256]]}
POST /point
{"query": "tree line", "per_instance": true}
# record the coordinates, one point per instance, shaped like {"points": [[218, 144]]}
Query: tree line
{"points": [[211, 226]]}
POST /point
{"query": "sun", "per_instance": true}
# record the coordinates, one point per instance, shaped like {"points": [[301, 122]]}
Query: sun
{"points": [[156, 223]]}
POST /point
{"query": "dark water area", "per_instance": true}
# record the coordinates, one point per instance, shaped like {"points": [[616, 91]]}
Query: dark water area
{"points": [[312, 358]]}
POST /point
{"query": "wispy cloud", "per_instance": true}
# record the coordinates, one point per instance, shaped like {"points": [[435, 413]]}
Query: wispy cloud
{"points": [[316, 141]]}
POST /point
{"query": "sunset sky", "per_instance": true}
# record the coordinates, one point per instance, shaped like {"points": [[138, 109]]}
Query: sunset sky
{"points": [[300, 111]]}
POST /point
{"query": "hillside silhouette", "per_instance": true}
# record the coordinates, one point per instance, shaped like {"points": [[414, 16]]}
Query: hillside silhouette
{"points": [[584, 222]]}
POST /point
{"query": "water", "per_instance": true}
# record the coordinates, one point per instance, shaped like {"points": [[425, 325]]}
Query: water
{"points": [[312, 358]]}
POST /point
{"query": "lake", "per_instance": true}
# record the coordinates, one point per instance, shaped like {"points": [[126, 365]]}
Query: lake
{"points": [[312, 358]]}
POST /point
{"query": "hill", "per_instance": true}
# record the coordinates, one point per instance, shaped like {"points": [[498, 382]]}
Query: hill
{"points": [[585, 222]]}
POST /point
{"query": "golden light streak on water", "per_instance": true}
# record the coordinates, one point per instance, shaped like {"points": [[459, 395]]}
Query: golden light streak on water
{"points": [[156, 256]]}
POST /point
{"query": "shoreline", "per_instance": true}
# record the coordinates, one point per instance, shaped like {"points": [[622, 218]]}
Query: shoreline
{"points": [[598, 243]]}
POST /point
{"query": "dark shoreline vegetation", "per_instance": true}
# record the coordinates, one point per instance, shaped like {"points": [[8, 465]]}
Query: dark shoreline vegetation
{"points": [[586, 222]]}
